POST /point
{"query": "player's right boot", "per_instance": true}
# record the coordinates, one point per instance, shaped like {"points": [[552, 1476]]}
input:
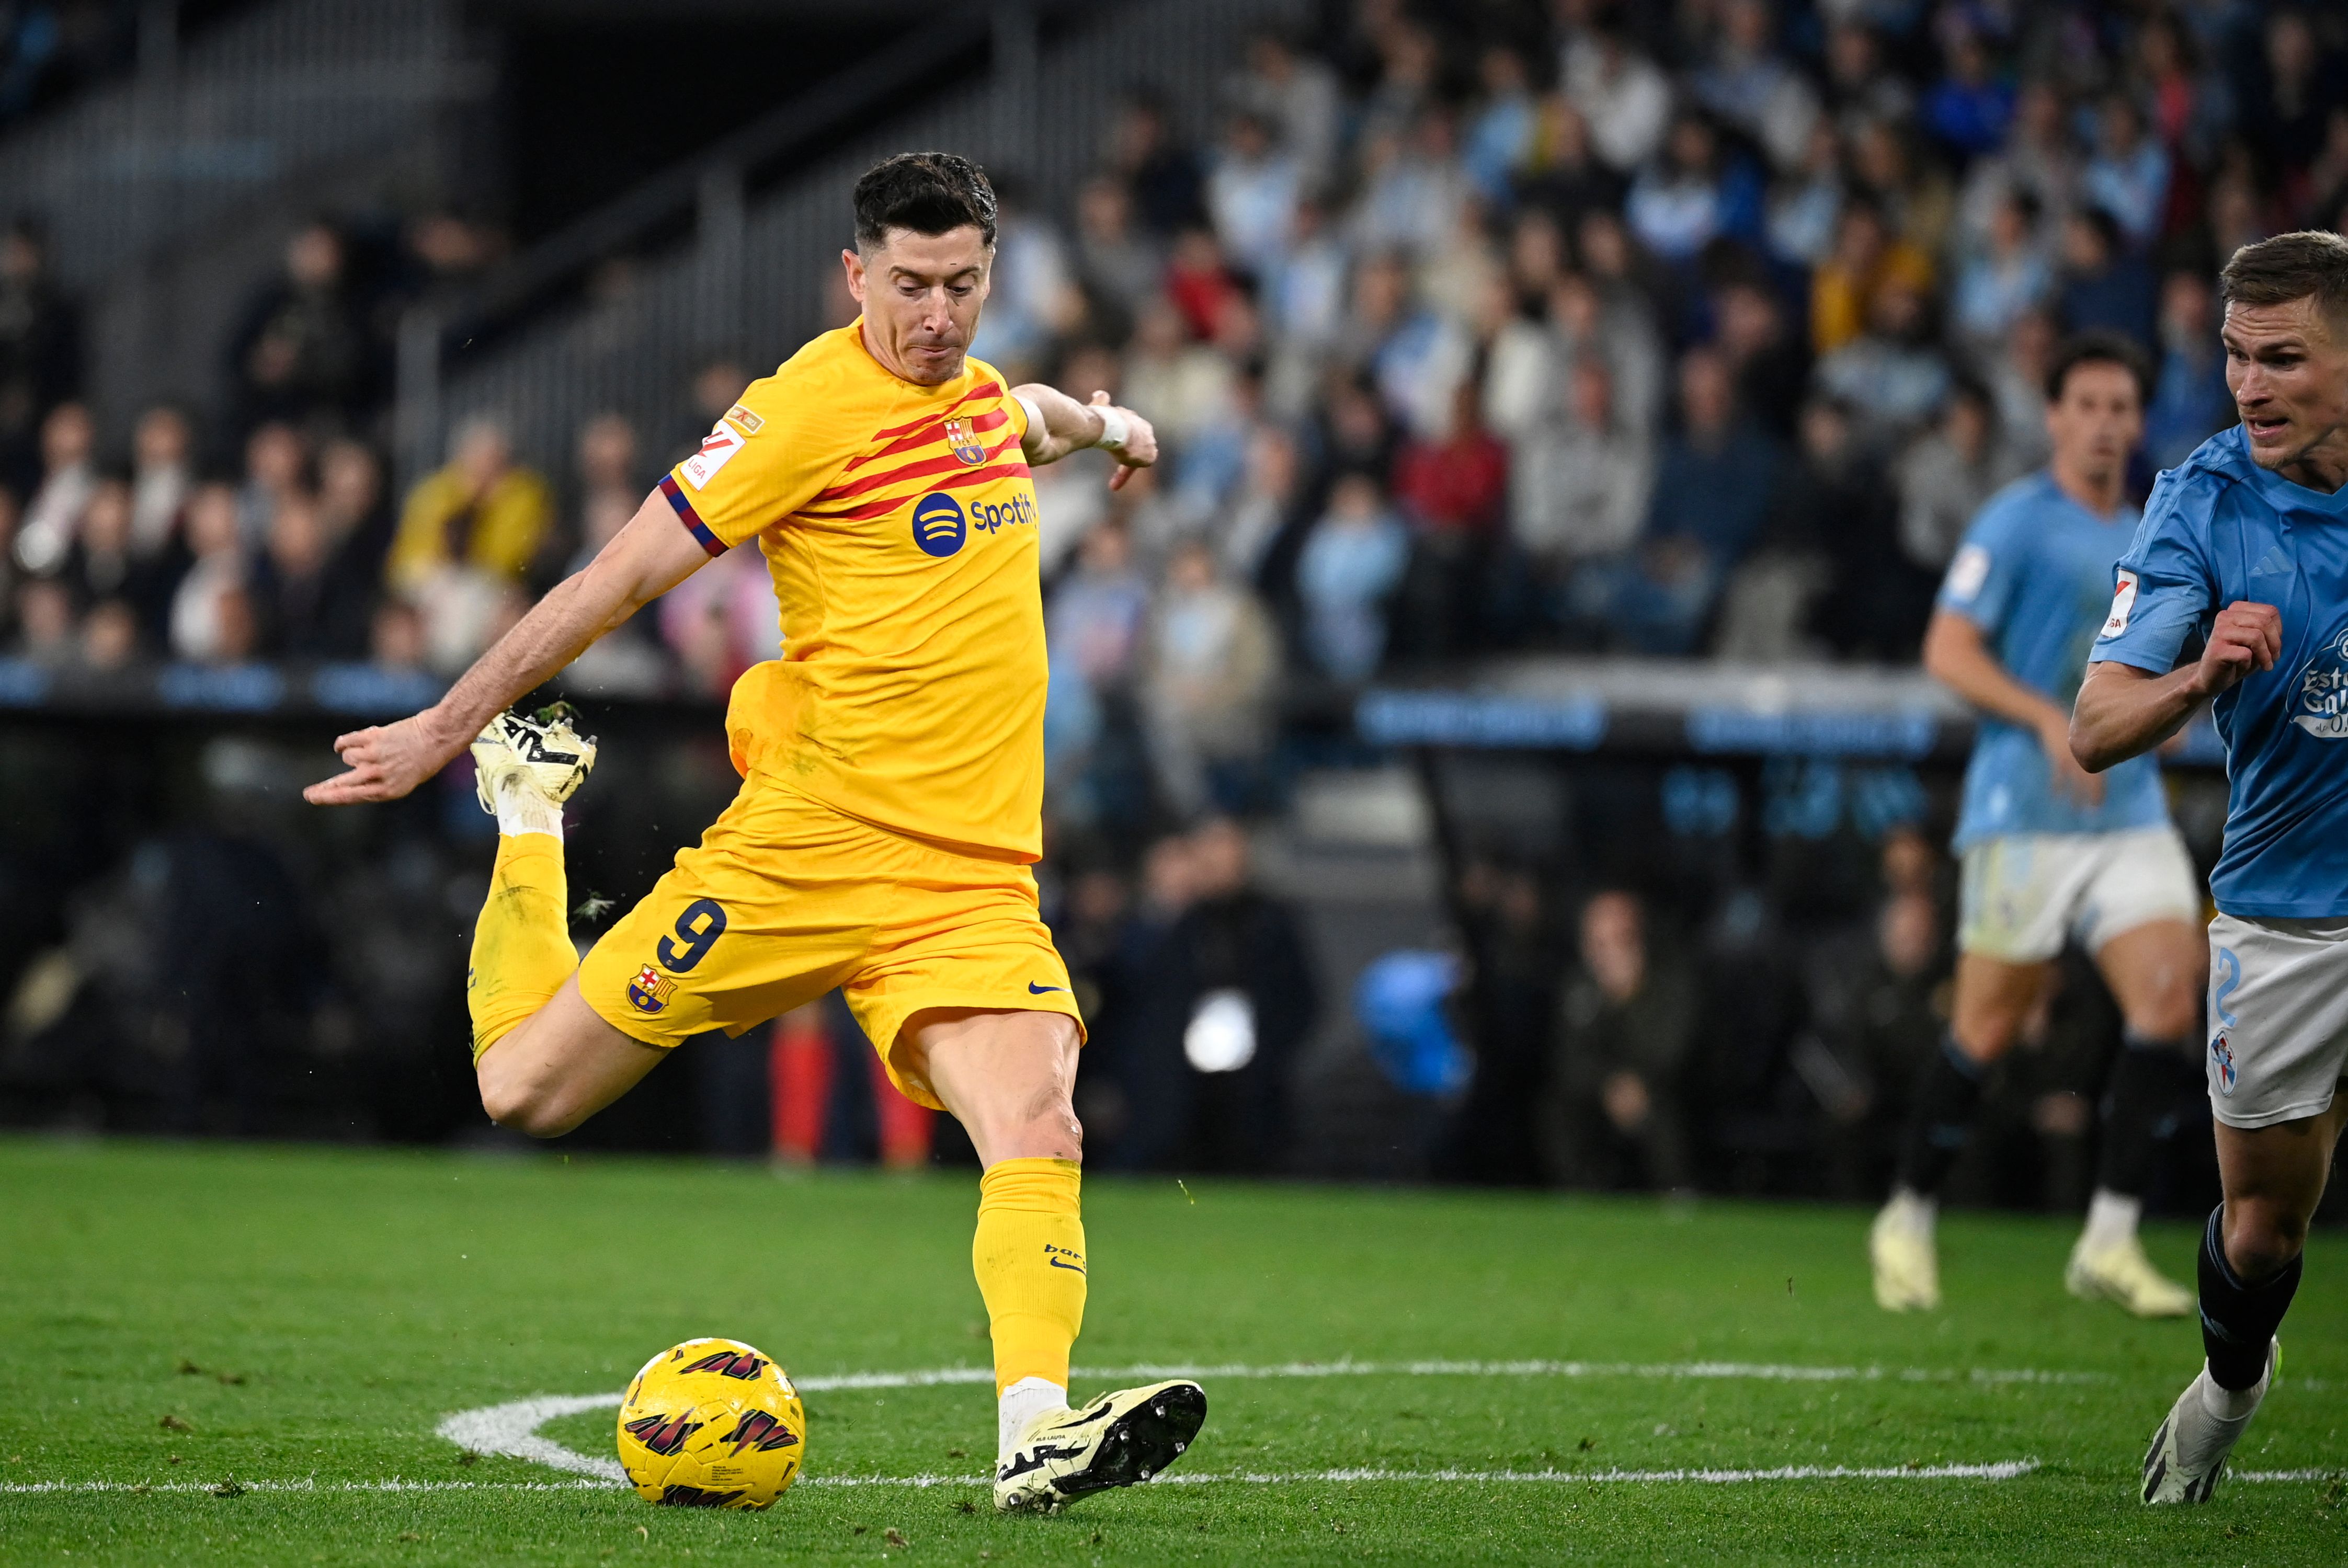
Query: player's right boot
{"points": [[1117, 1439], [545, 753], [2122, 1272], [1907, 1267], [2188, 1453]]}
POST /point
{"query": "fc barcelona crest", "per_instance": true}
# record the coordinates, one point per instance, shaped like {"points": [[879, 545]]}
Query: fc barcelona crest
{"points": [[649, 992], [964, 441]]}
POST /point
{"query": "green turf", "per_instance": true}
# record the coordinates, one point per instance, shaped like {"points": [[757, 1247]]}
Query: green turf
{"points": [[339, 1304]]}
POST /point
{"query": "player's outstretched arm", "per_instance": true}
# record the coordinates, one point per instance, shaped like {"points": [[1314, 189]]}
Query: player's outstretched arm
{"points": [[1067, 425], [644, 559], [1958, 656], [2123, 711]]}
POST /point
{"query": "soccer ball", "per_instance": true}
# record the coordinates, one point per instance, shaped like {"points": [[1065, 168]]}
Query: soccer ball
{"points": [[712, 1423]]}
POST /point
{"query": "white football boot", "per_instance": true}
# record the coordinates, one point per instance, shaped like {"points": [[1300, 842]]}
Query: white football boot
{"points": [[544, 753], [1117, 1440], [1907, 1265], [2122, 1272], [2188, 1453]]}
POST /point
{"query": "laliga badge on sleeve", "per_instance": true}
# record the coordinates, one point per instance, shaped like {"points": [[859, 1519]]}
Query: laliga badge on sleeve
{"points": [[718, 449], [2123, 602]]}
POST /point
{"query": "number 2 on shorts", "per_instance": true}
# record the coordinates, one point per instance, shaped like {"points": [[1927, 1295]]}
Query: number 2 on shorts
{"points": [[702, 923]]}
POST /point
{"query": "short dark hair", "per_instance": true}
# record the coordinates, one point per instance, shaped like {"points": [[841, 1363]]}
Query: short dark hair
{"points": [[2099, 348], [928, 192], [2313, 263]]}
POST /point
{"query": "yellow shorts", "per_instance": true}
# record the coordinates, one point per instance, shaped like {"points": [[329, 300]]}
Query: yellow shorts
{"points": [[784, 899]]}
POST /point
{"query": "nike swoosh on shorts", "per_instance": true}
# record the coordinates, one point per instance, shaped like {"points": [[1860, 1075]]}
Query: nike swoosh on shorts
{"points": [[1036, 990]]}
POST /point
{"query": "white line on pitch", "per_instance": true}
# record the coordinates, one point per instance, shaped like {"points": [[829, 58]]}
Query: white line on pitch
{"points": [[511, 1429], [2004, 1470]]}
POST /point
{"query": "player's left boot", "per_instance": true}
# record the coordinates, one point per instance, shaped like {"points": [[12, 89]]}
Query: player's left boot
{"points": [[2188, 1453], [1117, 1439], [545, 749], [2120, 1272]]}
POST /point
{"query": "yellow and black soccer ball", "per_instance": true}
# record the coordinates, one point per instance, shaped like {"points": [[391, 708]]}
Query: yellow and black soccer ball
{"points": [[712, 1423]]}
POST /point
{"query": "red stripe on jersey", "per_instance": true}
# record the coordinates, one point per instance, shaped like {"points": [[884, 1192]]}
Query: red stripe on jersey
{"points": [[921, 469], [985, 389], [967, 478], [979, 425]]}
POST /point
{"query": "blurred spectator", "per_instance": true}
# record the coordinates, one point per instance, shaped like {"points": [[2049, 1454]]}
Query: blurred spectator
{"points": [[1610, 1114], [1253, 195], [357, 517], [466, 535], [1714, 483], [1300, 97], [2191, 402], [1500, 138], [1208, 664], [1876, 601], [1858, 85], [2017, 382], [1911, 192], [1946, 474], [1893, 375], [1162, 174], [307, 611], [1771, 365], [1352, 562], [40, 345], [1117, 265], [106, 566], [1563, 178], [1805, 209], [1209, 1070], [1265, 513], [45, 621], [1620, 93], [52, 520], [109, 636], [211, 620], [607, 487], [396, 637], [2105, 287], [1751, 85], [718, 622], [2190, 105], [1178, 385], [1865, 262], [162, 450], [2128, 176], [1413, 195], [1971, 106], [276, 468], [1579, 484], [1099, 612], [2295, 89], [1884, 1022], [2040, 159], [1692, 194], [303, 350], [2007, 276], [1453, 491]]}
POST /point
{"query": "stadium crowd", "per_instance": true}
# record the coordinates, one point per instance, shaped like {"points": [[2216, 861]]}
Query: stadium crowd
{"points": [[1697, 330]]}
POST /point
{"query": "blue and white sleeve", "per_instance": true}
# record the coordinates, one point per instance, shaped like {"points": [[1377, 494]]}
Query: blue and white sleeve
{"points": [[2163, 590]]}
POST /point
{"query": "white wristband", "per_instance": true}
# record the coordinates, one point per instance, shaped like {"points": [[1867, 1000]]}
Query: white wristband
{"points": [[1114, 429], [1035, 419]]}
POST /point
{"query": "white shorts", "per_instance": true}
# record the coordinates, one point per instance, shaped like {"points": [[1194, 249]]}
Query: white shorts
{"points": [[2278, 1018], [2023, 893]]}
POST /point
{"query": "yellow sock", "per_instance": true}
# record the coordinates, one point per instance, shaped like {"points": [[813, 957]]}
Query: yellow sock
{"points": [[522, 945], [1029, 1255]]}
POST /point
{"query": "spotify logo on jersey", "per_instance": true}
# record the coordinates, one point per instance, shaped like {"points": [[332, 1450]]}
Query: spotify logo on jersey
{"points": [[938, 526]]}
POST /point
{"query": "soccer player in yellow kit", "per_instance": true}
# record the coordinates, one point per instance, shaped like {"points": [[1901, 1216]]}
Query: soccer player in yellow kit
{"points": [[891, 797]]}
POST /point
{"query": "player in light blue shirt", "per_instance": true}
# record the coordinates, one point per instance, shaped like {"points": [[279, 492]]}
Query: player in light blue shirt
{"points": [[2243, 551], [2050, 853]]}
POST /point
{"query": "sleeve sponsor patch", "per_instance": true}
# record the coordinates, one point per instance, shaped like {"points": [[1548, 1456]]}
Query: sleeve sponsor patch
{"points": [[2123, 602], [1967, 572], [750, 423], [718, 449]]}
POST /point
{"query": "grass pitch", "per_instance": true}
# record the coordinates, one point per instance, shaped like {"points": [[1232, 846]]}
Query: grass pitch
{"points": [[222, 1327]]}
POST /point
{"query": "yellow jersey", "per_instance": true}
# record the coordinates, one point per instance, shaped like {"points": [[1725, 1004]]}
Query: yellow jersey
{"points": [[899, 525]]}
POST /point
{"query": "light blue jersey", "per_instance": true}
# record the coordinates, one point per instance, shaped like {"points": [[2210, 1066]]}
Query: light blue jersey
{"points": [[2034, 573], [2219, 530]]}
